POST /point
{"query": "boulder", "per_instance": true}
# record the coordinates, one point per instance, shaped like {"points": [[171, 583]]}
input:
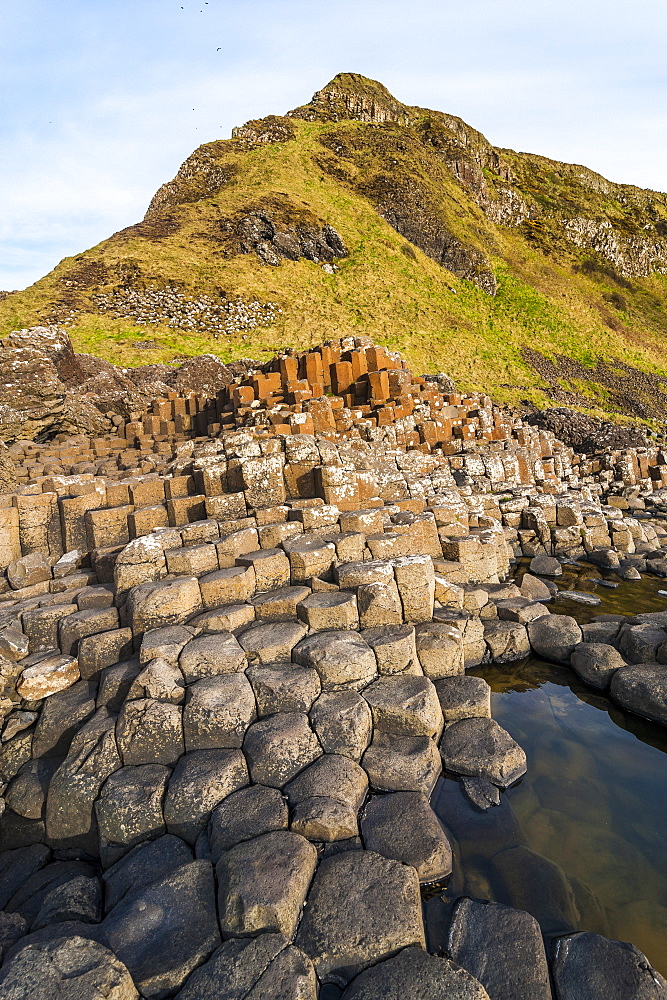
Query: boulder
{"points": [[596, 663], [361, 908], [642, 688], [403, 826], [263, 883], [520, 609], [28, 570], [535, 589], [543, 565], [591, 967], [502, 948], [480, 792], [640, 643], [165, 930], [67, 968], [51, 674], [415, 974], [554, 637], [483, 749]]}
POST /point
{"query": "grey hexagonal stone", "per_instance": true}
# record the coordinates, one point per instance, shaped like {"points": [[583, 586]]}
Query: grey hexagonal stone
{"points": [[333, 775], [200, 781], [402, 763], [403, 826], [129, 808], [361, 908], [283, 687], [144, 864], [253, 969], [165, 930], [405, 705], [588, 966], [263, 884], [342, 659], [244, 815], [150, 732], [506, 641], [273, 642], [218, 712], [68, 968], [343, 722], [464, 697], [280, 746], [209, 655], [415, 974], [481, 748], [502, 947], [394, 647]]}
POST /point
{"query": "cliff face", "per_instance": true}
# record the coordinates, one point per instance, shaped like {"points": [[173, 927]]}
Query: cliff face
{"points": [[356, 212]]}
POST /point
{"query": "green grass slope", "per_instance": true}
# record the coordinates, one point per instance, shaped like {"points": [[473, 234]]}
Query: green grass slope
{"points": [[532, 279]]}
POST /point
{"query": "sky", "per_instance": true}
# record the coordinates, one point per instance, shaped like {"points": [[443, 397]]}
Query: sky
{"points": [[102, 100]]}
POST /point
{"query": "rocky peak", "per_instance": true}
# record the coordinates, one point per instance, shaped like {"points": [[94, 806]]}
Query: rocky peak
{"points": [[351, 95]]}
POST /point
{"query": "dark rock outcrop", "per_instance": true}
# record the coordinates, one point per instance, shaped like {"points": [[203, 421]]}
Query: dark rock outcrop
{"points": [[586, 434]]}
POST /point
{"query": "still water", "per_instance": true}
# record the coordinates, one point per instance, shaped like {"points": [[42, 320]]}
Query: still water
{"points": [[581, 840]]}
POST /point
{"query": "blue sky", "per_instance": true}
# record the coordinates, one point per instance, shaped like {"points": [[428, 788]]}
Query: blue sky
{"points": [[101, 100]]}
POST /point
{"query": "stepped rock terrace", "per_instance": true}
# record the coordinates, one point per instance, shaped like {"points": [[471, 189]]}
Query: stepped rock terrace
{"points": [[237, 653]]}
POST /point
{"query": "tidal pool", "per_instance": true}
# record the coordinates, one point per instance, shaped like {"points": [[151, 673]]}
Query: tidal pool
{"points": [[581, 841]]}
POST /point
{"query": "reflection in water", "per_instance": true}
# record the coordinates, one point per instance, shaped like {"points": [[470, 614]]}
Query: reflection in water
{"points": [[580, 840]]}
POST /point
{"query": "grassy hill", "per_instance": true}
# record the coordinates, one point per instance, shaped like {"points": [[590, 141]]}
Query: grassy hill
{"points": [[533, 279]]}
